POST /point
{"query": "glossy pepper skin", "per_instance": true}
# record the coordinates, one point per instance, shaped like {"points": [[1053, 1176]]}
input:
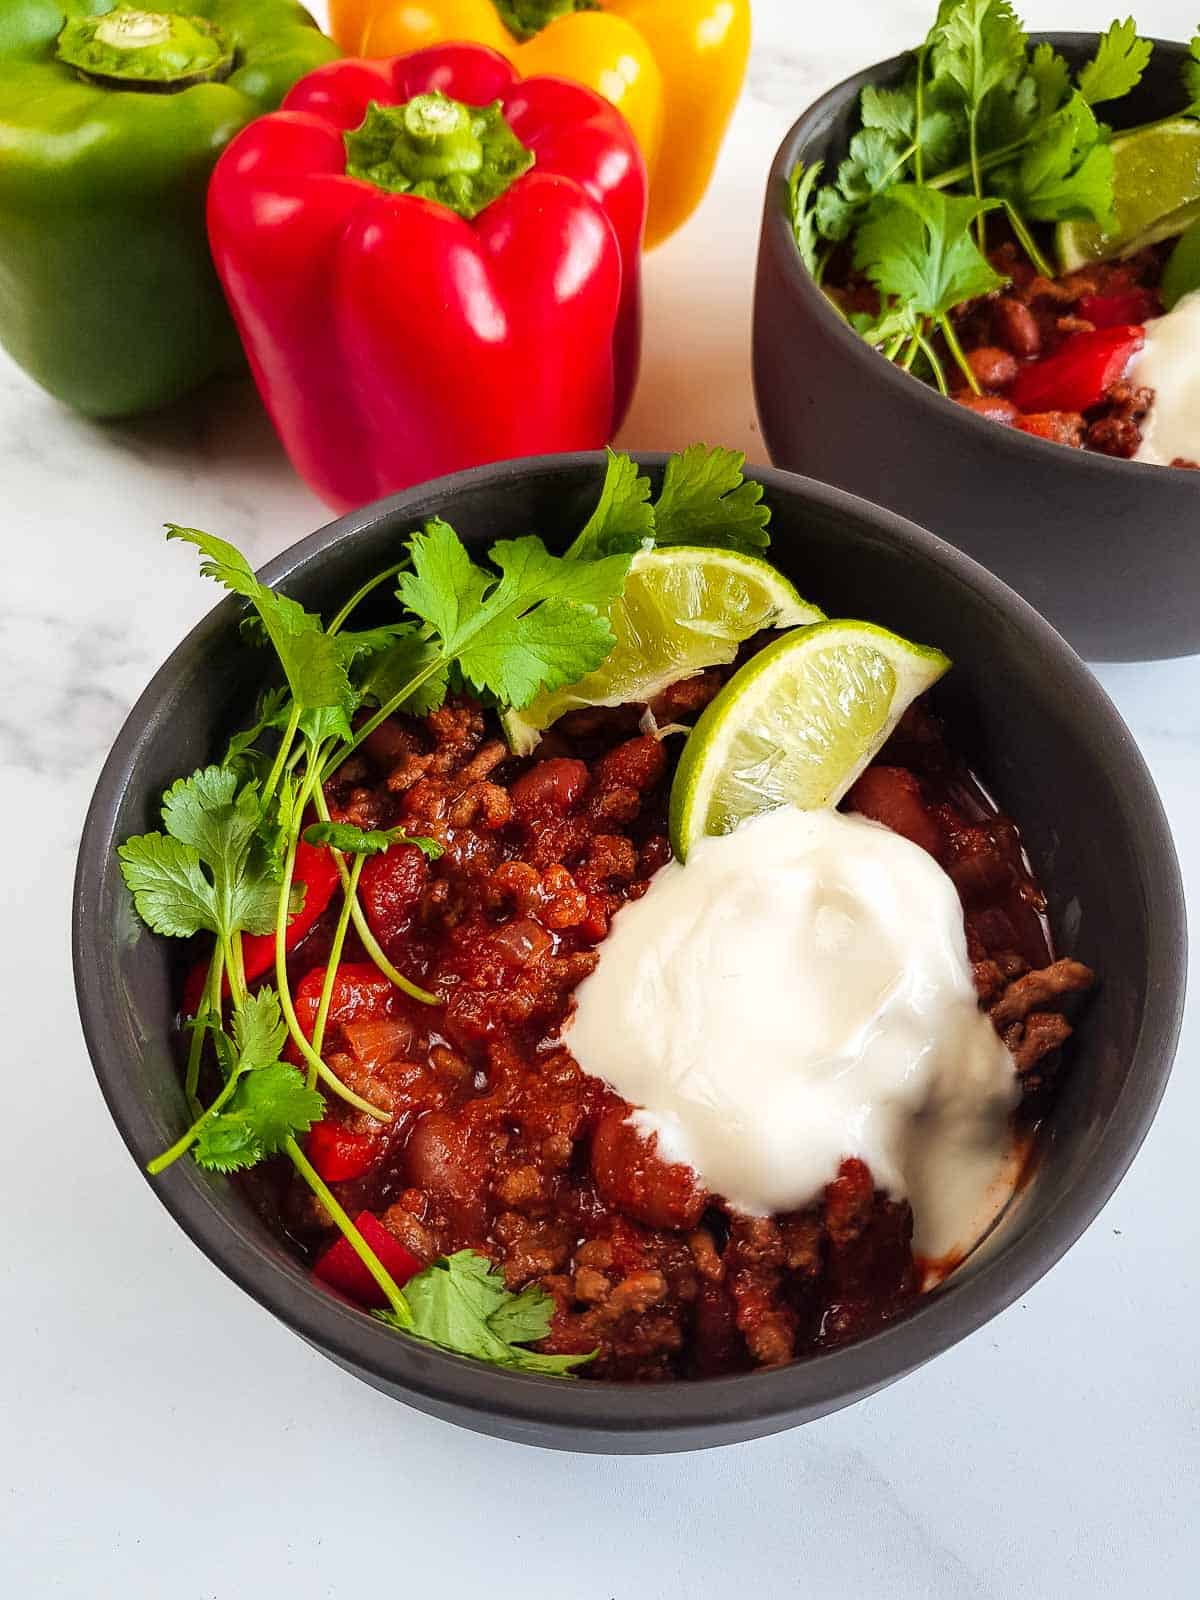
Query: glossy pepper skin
{"points": [[393, 339], [674, 68], [108, 297]]}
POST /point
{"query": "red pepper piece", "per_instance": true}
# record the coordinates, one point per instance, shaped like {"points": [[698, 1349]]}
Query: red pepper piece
{"points": [[317, 871], [394, 338], [1079, 373], [338, 1154], [1119, 310], [342, 1269]]}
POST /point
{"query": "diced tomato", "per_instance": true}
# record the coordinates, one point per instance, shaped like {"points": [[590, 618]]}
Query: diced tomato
{"points": [[343, 1269], [316, 869], [1119, 310], [389, 888], [1079, 373], [338, 1154], [892, 795], [359, 991]]}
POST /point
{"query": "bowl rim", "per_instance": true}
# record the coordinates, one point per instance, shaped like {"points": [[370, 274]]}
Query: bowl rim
{"points": [[1009, 442], [682, 1412]]}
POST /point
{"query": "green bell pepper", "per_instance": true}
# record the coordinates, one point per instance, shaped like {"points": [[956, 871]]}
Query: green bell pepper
{"points": [[111, 120]]}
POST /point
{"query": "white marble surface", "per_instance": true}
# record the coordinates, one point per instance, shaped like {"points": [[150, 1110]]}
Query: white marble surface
{"points": [[161, 1436]]}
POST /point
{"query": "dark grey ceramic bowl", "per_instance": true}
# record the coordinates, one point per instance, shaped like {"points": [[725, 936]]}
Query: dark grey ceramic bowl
{"points": [[1108, 550], [1023, 708]]}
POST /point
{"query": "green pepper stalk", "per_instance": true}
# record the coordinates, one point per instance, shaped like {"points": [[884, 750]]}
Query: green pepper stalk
{"points": [[156, 51]]}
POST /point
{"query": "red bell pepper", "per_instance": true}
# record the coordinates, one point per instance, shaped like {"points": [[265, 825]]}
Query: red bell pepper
{"points": [[342, 1269], [1079, 373], [421, 286], [360, 991], [317, 871], [1118, 310], [338, 1154]]}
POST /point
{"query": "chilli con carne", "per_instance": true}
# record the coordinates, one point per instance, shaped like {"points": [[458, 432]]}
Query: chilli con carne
{"points": [[499, 1143], [398, 903]]}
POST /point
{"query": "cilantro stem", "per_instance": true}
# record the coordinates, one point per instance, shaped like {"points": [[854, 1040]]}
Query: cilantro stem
{"points": [[350, 1233], [360, 594], [932, 358], [1026, 240], [315, 1063], [977, 178], [956, 350], [363, 928], [979, 164], [334, 960], [389, 708], [919, 115], [210, 1000], [910, 354], [281, 755], [186, 1140]]}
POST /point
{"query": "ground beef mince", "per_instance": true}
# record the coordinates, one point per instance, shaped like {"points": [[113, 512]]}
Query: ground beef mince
{"points": [[500, 1143]]}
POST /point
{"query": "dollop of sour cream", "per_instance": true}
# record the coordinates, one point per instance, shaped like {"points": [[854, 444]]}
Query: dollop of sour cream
{"points": [[1169, 363], [797, 993]]}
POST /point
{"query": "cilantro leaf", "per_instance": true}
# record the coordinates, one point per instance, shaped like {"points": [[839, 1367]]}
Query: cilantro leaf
{"points": [[1051, 78], [802, 186], [875, 159], [833, 214], [543, 623], [1066, 172], [892, 110], [171, 893], [312, 661], [270, 712], [227, 1144], [210, 824], [916, 245], [350, 840], [259, 1031], [265, 1101], [623, 519], [979, 45], [461, 1304], [276, 1104], [705, 500], [407, 657], [1117, 67]]}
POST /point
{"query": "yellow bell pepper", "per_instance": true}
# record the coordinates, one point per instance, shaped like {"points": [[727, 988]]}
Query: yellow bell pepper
{"points": [[673, 67]]}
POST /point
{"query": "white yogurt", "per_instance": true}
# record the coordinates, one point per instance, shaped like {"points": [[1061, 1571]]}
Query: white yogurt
{"points": [[798, 993], [1169, 363]]}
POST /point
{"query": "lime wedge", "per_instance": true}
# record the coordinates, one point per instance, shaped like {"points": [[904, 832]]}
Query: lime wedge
{"points": [[682, 609], [796, 725], [1156, 181]]}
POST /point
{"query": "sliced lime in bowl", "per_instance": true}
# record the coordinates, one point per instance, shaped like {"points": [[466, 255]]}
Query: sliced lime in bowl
{"points": [[682, 609], [796, 725], [1156, 194]]}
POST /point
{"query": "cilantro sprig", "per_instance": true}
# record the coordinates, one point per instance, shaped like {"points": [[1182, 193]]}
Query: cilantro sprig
{"points": [[224, 861], [461, 1303], [983, 116]]}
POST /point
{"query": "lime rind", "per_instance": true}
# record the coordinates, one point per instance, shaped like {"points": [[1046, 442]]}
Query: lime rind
{"points": [[683, 609], [796, 725]]}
